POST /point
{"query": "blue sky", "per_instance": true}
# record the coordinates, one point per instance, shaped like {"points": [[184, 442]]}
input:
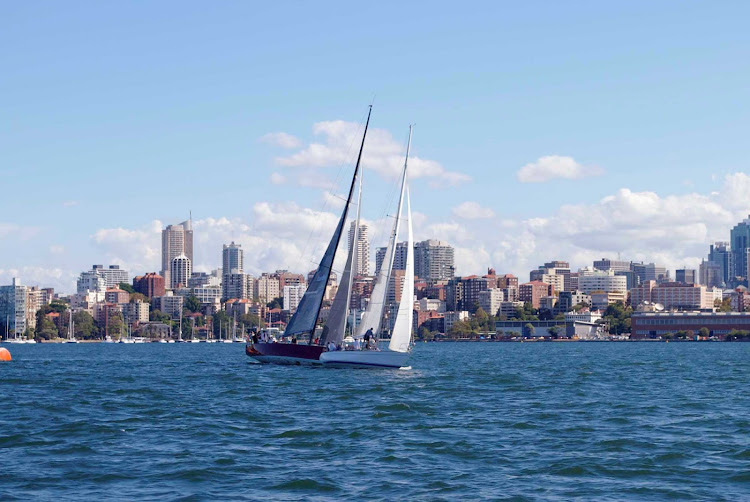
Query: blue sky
{"points": [[114, 115]]}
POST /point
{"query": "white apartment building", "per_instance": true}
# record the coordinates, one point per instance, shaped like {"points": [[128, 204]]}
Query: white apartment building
{"points": [[361, 262], [13, 305], [180, 271], [136, 312], [490, 300], [433, 304], [266, 288], [590, 279], [292, 296]]}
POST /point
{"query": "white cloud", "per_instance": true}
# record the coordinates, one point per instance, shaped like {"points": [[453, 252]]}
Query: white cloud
{"points": [[8, 230], [671, 230], [58, 278], [281, 139], [470, 210], [381, 154], [278, 179], [56, 249], [70, 203], [555, 166]]}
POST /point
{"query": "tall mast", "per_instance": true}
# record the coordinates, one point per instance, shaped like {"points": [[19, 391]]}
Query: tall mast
{"points": [[355, 255], [346, 212]]}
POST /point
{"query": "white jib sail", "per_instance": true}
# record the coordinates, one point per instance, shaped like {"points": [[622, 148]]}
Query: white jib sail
{"points": [[402, 328], [373, 316]]}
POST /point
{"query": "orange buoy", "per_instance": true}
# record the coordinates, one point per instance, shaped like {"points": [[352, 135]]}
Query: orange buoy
{"points": [[4, 354]]}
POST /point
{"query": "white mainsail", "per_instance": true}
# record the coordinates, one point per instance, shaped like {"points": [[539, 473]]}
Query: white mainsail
{"points": [[373, 316], [402, 328]]}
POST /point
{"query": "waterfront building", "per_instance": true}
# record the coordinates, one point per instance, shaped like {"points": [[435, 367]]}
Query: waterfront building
{"points": [[150, 285], [452, 317], [176, 240], [433, 260], [544, 329], [589, 316], [231, 258], [136, 312], [600, 300], [657, 324], [361, 261], [471, 287], [13, 306], [548, 303]]}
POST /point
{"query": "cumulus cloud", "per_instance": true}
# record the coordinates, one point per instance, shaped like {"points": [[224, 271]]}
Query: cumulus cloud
{"points": [[555, 166], [281, 139], [470, 210], [672, 230], [278, 179], [58, 278], [382, 154]]}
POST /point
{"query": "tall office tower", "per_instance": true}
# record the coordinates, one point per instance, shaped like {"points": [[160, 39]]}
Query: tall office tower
{"points": [[649, 272], [399, 257], [232, 258], [711, 274], [176, 240], [179, 271], [616, 265], [433, 260], [740, 243], [721, 254], [361, 262], [685, 276]]}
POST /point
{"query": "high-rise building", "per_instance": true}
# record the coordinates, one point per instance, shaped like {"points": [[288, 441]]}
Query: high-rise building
{"points": [[711, 274], [13, 305], [175, 240], [361, 261], [266, 288], [649, 272], [616, 265], [150, 285], [433, 260], [740, 243], [179, 271], [721, 254], [292, 296], [237, 285], [399, 257], [685, 276], [232, 258]]}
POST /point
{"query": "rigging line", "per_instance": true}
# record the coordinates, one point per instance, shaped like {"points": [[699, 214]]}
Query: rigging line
{"points": [[334, 187]]}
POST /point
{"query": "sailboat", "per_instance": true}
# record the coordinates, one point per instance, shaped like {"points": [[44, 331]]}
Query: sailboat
{"points": [[305, 318], [71, 329]]}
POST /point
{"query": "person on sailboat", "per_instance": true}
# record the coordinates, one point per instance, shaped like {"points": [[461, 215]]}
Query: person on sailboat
{"points": [[368, 336], [331, 347]]}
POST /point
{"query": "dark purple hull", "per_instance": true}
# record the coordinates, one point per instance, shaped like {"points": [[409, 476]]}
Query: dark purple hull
{"points": [[284, 353]]}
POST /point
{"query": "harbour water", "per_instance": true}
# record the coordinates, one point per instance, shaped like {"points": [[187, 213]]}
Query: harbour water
{"points": [[470, 421]]}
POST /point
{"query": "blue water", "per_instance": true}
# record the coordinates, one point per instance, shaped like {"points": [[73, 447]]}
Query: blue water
{"points": [[470, 421]]}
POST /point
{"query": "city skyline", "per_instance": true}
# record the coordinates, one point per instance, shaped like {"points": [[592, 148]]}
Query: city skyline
{"points": [[526, 147]]}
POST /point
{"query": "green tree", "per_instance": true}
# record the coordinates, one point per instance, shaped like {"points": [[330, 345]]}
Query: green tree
{"points": [[158, 316], [84, 325], [554, 331], [276, 303], [58, 306], [115, 325], [529, 329], [460, 329], [127, 287], [724, 305], [46, 329], [192, 304], [704, 332], [134, 297]]}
